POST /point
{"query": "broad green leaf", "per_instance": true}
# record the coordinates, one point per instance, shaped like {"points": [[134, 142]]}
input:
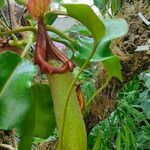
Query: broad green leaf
{"points": [[113, 67], [84, 14], [44, 111], [115, 28], [74, 137], [26, 128], [16, 75], [85, 45], [40, 120], [103, 53], [1, 3], [49, 18]]}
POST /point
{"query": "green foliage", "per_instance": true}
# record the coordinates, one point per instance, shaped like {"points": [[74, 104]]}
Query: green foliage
{"points": [[98, 144], [40, 119], [118, 140], [21, 2], [127, 127], [44, 111], [86, 16], [49, 18], [30, 108], [105, 6], [113, 67], [144, 98], [1, 4], [74, 136], [115, 28], [115, 5], [101, 4], [16, 76]]}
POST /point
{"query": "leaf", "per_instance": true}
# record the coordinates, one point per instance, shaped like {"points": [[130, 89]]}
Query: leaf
{"points": [[84, 14], [82, 30], [85, 45], [40, 120], [127, 138], [115, 28], [37, 8], [49, 18], [118, 140], [113, 67], [1, 3], [21, 2], [145, 102], [133, 138], [74, 137], [98, 143], [115, 5], [16, 75], [100, 4], [44, 111]]}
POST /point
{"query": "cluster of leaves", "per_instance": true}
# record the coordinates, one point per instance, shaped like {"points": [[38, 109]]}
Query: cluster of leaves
{"points": [[128, 126], [27, 105]]}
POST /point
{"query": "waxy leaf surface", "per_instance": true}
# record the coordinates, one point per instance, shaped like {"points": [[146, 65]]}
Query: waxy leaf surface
{"points": [[16, 75]]}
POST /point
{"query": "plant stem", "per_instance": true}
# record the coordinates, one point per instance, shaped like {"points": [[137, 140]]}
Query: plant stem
{"points": [[4, 33], [4, 18], [9, 13], [29, 43], [52, 29], [60, 145], [29, 28], [66, 43], [96, 93]]}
